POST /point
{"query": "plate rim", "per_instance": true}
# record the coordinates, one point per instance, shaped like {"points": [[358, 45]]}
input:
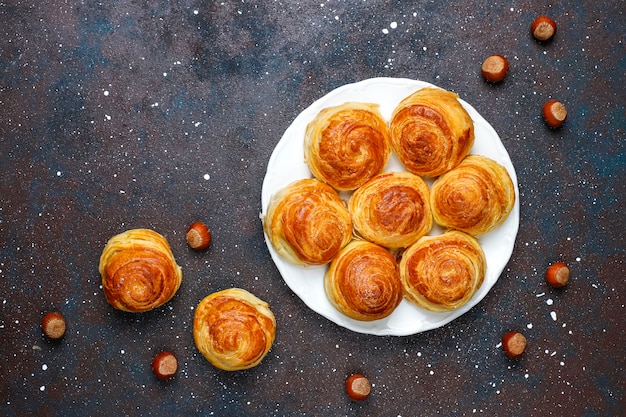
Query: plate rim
{"points": [[338, 318]]}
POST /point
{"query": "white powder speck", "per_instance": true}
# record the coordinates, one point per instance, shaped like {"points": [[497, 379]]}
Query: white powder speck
{"points": [[42, 388], [122, 351], [526, 376], [549, 301], [106, 93], [207, 177], [529, 325], [393, 25], [578, 259], [553, 315], [195, 12], [432, 373], [386, 31], [106, 116], [44, 367], [541, 295], [59, 173]]}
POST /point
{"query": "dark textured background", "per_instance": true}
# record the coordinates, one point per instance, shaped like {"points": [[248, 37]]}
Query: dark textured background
{"points": [[124, 114]]}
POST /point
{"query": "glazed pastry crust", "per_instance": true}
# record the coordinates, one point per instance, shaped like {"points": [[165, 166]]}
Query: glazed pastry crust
{"points": [[346, 145], [431, 132], [392, 209], [234, 329], [362, 282], [476, 197], [441, 273], [138, 271], [307, 223]]}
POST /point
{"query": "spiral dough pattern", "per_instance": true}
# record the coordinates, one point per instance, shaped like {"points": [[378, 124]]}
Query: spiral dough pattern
{"points": [[363, 282], [441, 273], [346, 145], [392, 209], [307, 223], [138, 271], [431, 132], [234, 329], [476, 197]]}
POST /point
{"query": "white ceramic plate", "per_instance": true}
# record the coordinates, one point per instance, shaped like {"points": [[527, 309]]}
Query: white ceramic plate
{"points": [[287, 165]]}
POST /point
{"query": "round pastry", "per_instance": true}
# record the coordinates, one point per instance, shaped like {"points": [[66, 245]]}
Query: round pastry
{"points": [[138, 271], [233, 329], [431, 132], [307, 223], [362, 281], [392, 209], [346, 145], [441, 273], [475, 197]]}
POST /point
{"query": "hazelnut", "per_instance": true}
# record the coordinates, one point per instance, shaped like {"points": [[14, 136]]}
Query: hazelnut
{"points": [[198, 236], [513, 344], [358, 387], [543, 28], [53, 325], [554, 113], [165, 365], [494, 68], [557, 274]]}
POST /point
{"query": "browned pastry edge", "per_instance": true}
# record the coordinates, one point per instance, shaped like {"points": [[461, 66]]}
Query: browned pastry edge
{"points": [[307, 223], [431, 132], [392, 209], [234, 329], [138, 271], [362, 281], [475, 197], [346, 145], [442, 273]]}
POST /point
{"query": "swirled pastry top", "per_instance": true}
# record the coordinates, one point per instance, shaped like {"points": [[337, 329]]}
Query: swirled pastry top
{"points": [[233, 329], [362, 281], [431, 132], [346, 145], [441, 273], [307, 223], [476, 197], [392, 209], [138, 271]]}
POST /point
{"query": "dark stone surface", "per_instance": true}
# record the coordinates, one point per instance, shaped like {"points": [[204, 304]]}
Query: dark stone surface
{"points": [[124, 114]]}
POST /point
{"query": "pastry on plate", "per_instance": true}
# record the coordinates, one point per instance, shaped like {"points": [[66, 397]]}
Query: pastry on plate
{"points": [[307, 223], [431, 132], [346, 145], [233, 329], [392, 209], [441, 273], [475, 197], [138, 271], [362, 281]]}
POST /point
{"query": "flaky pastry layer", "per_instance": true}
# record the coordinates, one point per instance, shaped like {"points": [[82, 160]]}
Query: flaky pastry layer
{"points": [[346, 145], [234, 329], [442, 273], [138, 271]]}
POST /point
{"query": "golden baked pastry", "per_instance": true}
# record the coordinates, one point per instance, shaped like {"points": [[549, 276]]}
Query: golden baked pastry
{"points": [[233, 329], [475, 197], [392, 209], [346, 145], [138, 271], [431, 132], [362, 282], [307, 223], [441, 273]]}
